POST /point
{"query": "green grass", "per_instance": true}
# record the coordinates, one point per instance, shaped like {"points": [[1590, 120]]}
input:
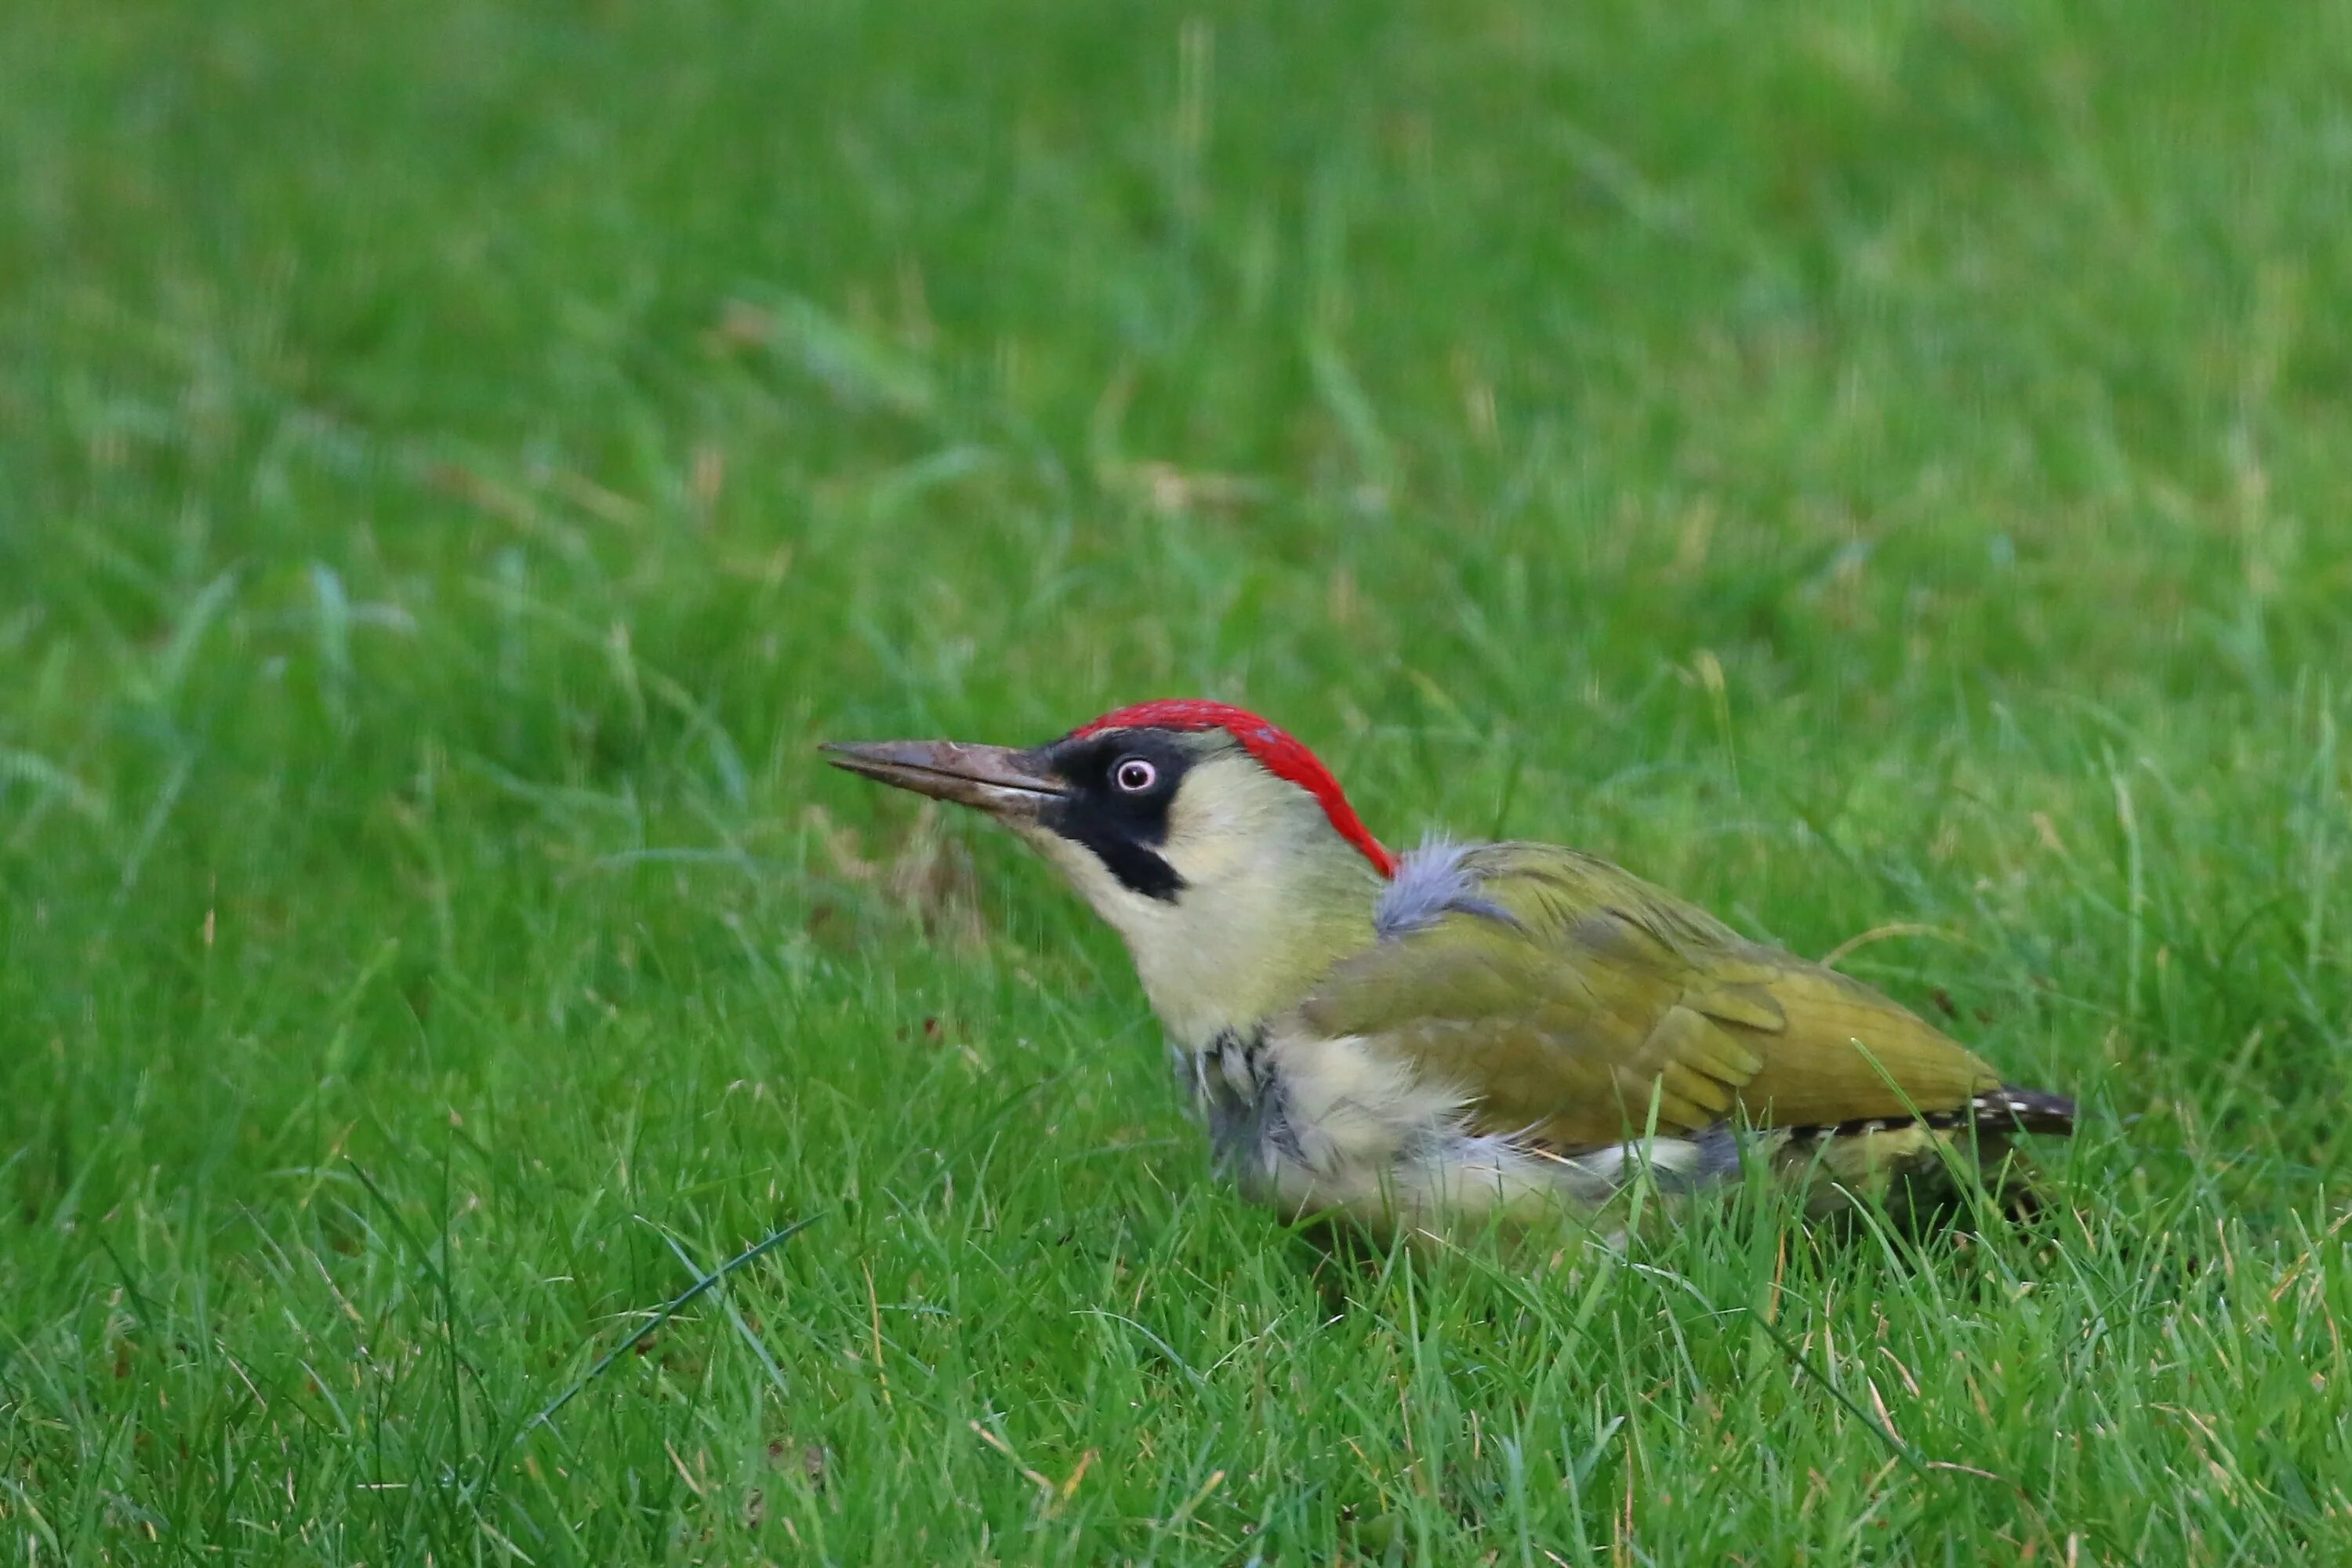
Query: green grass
{"points": [[1873, 467]]}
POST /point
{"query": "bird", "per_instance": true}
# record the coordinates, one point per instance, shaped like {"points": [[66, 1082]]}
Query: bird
{"points": [[1468, 1033]]}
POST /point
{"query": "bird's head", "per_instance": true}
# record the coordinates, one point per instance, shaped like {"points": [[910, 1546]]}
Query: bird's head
{"points": [[1220, 847]]}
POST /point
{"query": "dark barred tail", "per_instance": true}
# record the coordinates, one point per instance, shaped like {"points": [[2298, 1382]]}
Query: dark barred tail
{"points": [[2012, 1110], [1997, 1112], [1913, 1165]]}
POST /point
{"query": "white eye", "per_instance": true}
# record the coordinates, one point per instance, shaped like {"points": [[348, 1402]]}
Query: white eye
{"points": [[1134, 775]]}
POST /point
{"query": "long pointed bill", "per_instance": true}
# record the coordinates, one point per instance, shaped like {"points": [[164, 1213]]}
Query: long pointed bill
{"points": [[996, 779]]}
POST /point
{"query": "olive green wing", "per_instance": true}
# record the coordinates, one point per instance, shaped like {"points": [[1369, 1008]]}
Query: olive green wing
{"points": [[1562, 995]]}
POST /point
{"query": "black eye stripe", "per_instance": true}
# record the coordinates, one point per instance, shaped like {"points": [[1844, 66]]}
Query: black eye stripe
{"points": [[1120, 788]]}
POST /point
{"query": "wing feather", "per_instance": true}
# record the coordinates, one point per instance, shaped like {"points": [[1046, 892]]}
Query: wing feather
{"points": [[1580, 995]]}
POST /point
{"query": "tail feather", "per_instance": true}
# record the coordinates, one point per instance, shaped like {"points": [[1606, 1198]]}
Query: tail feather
{"points": [[2024, 1111], [1909, 1162], [2004, 1109]]}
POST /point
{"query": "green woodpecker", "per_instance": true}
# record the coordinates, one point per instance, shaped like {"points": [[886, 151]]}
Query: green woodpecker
{"points": [[1468, 1030]]}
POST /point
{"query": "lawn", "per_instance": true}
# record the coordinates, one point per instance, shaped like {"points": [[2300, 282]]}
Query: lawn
{"points": [[1884, 470]]}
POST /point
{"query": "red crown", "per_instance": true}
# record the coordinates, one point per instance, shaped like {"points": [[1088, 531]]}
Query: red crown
{"points": [[1277, 750]]}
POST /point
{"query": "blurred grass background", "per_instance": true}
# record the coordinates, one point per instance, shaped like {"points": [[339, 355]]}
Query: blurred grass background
{"points": [[1875, 467]]}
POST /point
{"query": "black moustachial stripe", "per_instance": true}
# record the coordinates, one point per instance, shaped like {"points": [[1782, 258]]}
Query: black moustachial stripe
{"points": [[1122, 827], [1136, 867]]}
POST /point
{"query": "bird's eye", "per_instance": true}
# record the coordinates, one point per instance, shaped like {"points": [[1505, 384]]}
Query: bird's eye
{"points": [[1134, 775]]}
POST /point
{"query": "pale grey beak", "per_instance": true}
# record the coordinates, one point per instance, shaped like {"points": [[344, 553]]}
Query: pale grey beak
{"points": [[997, 780]]}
